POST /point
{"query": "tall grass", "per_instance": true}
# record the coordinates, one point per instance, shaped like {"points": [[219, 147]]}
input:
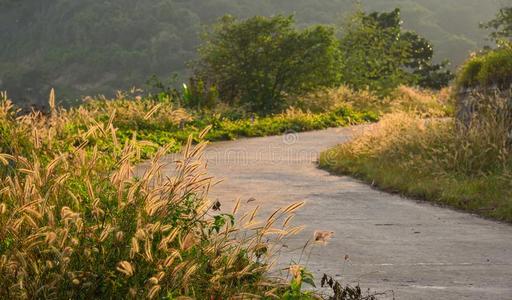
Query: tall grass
{"points": [[403, 98], [138, 113], [76, 223], [465, 166]]}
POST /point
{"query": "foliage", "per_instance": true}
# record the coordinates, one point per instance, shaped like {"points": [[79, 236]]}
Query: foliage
{"points": [[436, 160], [300, 276], [150, 124], [164, 90], [419, 57], [372, 53], [345, 293], [378, 55], [89, 47], [256, 62], [195, 95], [161, 124], [493, 68], [281, 123], [501, 24], [138, 113], [200, 96]]}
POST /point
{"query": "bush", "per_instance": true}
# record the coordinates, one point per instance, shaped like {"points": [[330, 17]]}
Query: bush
{"points": [[493, 68], [256, 62], [377, 54]]}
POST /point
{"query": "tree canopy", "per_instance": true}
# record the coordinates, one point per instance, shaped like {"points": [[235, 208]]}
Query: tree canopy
{"points": [[257, 62], [87, 47], [379, 54], [501, 25]]}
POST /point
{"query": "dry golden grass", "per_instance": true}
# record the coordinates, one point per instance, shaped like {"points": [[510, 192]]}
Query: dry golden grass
{"points": [[466, 166], [132, 112], [76, 223], [424, 102], [331, 99]]}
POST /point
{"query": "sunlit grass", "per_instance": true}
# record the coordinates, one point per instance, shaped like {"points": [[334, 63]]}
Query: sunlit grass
{"points": [[421, 101], [437, 160], [76, 223]]}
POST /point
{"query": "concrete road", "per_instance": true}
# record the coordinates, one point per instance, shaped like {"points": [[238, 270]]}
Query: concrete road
{"points": [[418, 250]]}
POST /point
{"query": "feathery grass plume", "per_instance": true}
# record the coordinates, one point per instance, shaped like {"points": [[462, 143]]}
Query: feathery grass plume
{"points": [[322, 237], [76, 223], [51, 101]]}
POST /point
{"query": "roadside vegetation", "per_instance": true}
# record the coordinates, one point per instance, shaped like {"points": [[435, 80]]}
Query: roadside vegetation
{"points": [[435, 160], [77, 222], [87, 47], [425, 102], [464, 161], [158, 124]]}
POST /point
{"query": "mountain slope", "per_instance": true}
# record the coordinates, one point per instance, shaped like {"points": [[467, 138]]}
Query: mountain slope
{"points": [[88, 47]]}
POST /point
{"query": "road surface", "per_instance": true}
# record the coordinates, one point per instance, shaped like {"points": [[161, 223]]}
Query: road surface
{"points": [[418, 250]]}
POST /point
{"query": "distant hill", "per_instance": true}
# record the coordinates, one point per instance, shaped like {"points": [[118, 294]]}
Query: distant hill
{"points": [[85, 47]]}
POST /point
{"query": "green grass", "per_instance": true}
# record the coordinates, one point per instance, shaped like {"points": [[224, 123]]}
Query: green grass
{"points": [[227, 129], [487, 196]]}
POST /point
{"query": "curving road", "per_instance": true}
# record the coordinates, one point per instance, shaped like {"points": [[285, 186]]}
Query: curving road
{"points": [[418, 250]]}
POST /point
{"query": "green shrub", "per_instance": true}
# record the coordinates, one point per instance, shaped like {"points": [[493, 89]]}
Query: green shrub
{"points": [[254, 63], [487, 70], [468, 75], [496, 69]]}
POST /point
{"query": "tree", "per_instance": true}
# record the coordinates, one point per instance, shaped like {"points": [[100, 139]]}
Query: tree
{"points": [[372, 51], [124, 42], [501, 24], [419, 63], [378, 54], [259, 61]]}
